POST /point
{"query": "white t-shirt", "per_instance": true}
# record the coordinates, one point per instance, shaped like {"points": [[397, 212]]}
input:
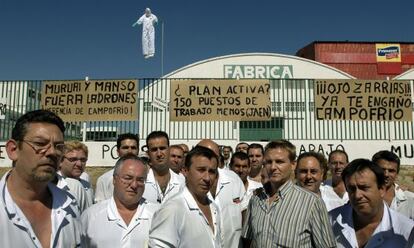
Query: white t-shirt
{"points": [[229, 196], [181, 223], [16, 230], [153, 191], [251, 187], [103, 226], [76, 189], [104, 186]]}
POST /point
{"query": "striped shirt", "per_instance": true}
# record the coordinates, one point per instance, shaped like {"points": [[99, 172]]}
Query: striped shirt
{"points": [[297, 218]]}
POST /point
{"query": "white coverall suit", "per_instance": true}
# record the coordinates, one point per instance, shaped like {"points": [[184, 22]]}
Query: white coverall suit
{"points": [[148, 32]]}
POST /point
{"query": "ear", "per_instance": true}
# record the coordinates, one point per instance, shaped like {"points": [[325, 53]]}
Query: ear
{"points": [[382, 191], [293, 164], [12, 149], [184, 170]]}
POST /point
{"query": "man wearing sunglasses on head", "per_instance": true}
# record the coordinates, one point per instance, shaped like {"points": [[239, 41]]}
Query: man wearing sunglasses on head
{"points": [[33, 211]]}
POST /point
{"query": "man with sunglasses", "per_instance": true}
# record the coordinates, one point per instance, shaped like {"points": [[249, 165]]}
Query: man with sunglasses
{"points": [[33, 211], [123, 220]]}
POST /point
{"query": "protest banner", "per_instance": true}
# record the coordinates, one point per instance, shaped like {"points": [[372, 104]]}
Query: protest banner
{"points": [[220, 100], [99, 100], [367, 100], [3, 107]]}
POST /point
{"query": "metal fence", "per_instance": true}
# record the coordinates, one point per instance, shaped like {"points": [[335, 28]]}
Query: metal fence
{"points": [[292, 117]]}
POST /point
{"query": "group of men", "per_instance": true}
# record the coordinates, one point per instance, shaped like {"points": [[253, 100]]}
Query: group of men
{"points": [[204, 197]]}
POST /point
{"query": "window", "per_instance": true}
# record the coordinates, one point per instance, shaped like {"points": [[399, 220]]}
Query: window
{"points": [[295, 106]]}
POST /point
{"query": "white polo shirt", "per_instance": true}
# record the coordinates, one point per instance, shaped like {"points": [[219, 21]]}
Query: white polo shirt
{"points": [[104, 186], [393, 231], [229, 196], [16, 230], [403, 202], [329, 196], [76, 189], [153, 191], [103, 226], [181, 223], [251, 187]]}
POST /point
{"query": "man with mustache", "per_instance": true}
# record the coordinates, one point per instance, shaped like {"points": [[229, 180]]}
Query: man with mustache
{"points": [[123, 220], [367, 221], [33, 211], [397, 199]]}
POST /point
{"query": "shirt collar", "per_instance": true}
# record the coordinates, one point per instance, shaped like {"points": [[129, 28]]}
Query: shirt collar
{"points": [[174, 178], [113, 214], [282, 191]]}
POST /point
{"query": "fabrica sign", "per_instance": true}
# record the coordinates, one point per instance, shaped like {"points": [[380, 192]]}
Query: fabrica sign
{"points": [[258, 71]]}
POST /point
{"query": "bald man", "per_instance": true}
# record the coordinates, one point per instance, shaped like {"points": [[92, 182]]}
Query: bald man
{"points": [[228, 192]]}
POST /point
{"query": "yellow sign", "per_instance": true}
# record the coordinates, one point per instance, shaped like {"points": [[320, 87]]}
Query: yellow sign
{"points": [[220, 100], [388, 52], [366, 100], [100, 100]]}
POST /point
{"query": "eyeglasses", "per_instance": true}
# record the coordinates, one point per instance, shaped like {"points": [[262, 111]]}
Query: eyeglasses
{"points": [[127, 180], [43, 147], [74, 159]]}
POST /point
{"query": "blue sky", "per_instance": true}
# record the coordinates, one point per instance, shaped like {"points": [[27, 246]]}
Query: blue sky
{"points": [[71, 39]]}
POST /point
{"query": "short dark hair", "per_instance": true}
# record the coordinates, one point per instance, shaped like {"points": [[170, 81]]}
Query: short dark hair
{"points": [[158, 134], [239, 155], [200, 151], [283, 144], [323, 163], [126, 136], [388, 156], [36, 116], [338, 151], [361, 164], [255, 146]]}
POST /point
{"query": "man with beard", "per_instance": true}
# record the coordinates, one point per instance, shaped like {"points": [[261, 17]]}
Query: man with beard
{"points": [[396, 198], [33, 211]]}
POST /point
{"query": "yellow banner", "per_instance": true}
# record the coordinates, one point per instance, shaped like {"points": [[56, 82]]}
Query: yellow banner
{"points": [[220, 100], [388, 52], [367, 100], [100, 100]]}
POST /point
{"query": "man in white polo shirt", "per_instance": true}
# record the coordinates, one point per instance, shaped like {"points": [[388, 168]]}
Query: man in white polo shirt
{"points": [[124, 219], [227, 192], [162, 183], [190, 219], [126, 143], [33, 211], [240, 164]]}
